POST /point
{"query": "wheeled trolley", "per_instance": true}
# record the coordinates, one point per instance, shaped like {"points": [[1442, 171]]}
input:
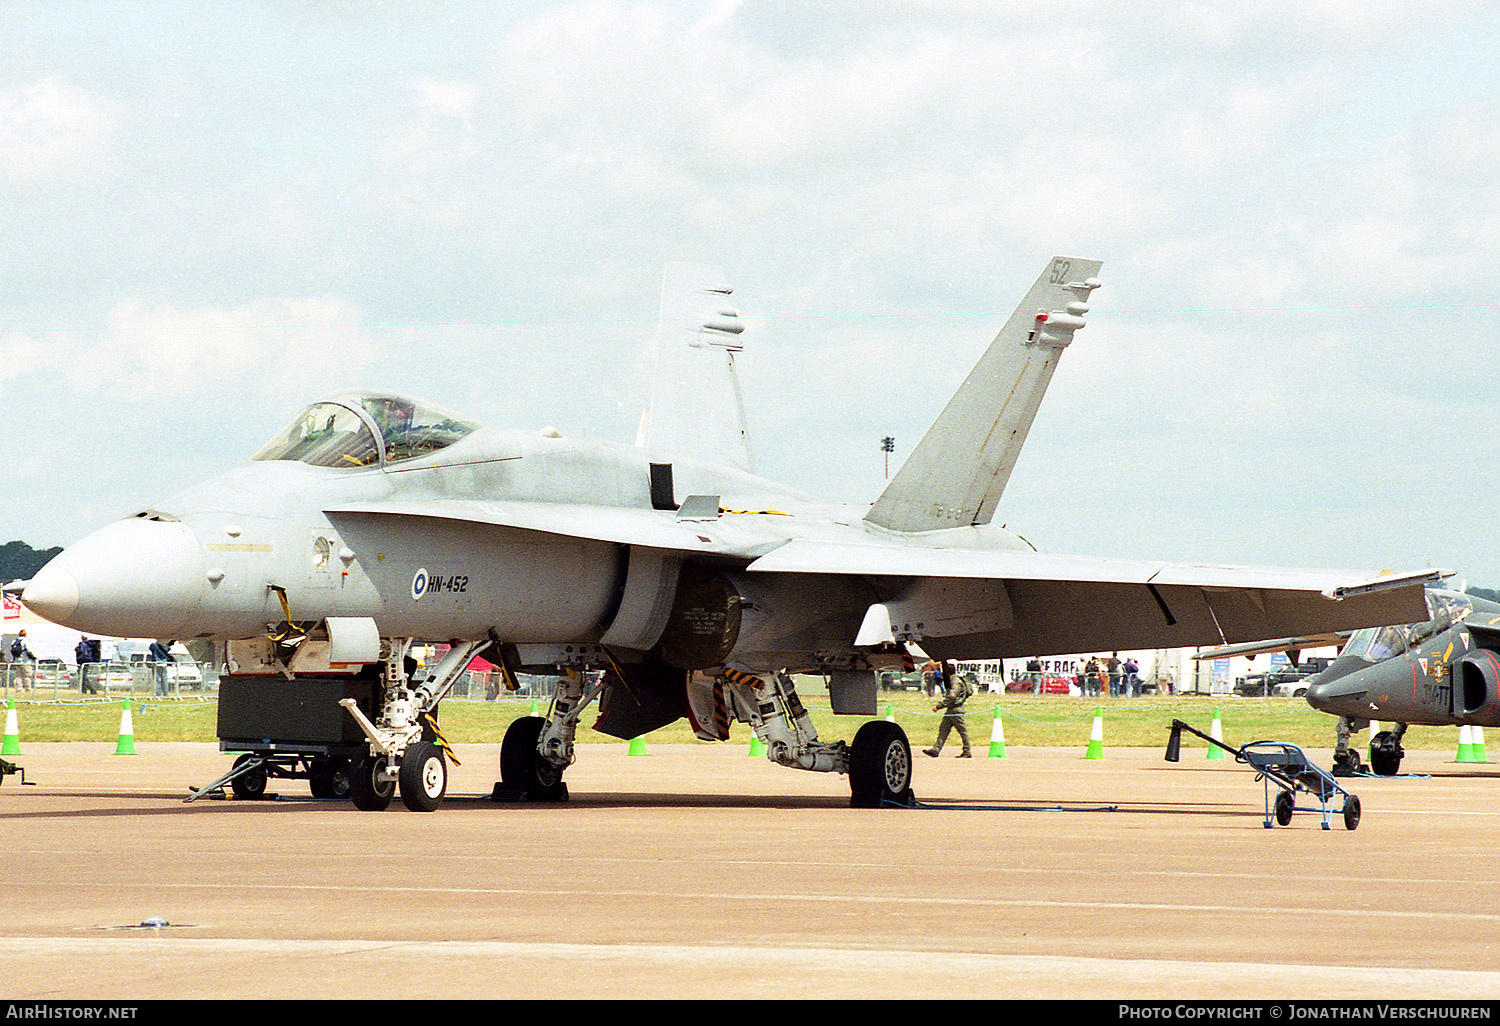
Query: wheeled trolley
{"points": [[1289, 769], [326, 768], [291, 729]]}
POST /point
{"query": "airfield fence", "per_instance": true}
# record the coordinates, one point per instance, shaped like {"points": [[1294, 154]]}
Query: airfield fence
{"points": [[57, 681]]}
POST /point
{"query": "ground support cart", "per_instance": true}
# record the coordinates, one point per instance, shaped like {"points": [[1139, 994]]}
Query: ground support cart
{"points": [[291, 729], [1290, 770]]}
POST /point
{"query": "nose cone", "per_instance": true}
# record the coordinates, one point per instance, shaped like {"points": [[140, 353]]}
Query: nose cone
{"points": [[136, 578], [1341, 693], [52, 593]]}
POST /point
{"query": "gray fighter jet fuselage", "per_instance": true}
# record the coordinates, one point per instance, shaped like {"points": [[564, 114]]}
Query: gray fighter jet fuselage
{"points": [[380, 540]]}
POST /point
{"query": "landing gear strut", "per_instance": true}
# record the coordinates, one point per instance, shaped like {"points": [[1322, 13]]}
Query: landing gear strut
{"points": [[878, 762], [537, 749], [1346, 761], [405, 747]]}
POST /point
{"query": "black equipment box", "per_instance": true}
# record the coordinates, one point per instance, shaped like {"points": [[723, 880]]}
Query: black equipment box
{"points": [[305, 710]]}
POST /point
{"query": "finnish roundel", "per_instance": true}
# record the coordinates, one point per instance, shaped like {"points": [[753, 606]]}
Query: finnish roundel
{"points": [[419, 584]]}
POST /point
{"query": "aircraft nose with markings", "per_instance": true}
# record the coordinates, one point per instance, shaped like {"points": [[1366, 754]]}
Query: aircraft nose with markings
{"points": [[662, 580]]}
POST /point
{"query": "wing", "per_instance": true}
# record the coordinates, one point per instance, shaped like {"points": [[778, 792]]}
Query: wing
{"points": [[682, 532], [1291, 646], [965, 603]]}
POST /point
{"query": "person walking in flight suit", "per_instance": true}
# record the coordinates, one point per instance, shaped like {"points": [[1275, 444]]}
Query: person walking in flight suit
{"points": [[952, 707]]}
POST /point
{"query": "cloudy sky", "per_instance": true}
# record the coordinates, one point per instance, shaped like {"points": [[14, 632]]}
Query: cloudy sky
{"points": [[212, 214]]}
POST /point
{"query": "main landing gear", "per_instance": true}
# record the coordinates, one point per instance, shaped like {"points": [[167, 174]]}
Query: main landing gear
{"points": [[537, 749], [878, 761]]}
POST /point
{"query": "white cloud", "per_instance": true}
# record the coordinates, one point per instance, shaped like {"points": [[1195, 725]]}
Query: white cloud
{"points": [[150, 352], [52, 127]]}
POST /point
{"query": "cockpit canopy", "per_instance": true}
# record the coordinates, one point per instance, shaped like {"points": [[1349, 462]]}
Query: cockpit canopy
{"points": [[364, 429], [1374, 644]]}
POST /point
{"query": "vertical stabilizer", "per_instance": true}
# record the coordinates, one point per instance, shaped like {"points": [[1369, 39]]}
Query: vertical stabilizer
{"points": [[956, 474], [696, 410]]}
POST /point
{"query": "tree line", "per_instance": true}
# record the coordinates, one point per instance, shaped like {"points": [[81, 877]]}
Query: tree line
{"points": [[19, 561]]}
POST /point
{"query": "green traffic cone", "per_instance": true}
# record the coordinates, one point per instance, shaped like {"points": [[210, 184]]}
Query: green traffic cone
{"points": [[997, 737], [890, 714], [1216, 732], [1465, 745], [757, 746], [637, 746], [12, 743], [1096, 736], [126, 744]]}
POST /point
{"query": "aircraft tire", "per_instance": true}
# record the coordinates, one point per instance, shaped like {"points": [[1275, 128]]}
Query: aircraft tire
{"points": [[522, 772], [368, 793], [1385, 754], [423, 777], [1351, 812], [1283, 808], [880, 766], [1346, 763], [329, 778], [250, 785]]}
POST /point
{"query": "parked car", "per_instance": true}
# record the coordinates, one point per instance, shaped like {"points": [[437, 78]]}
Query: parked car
{"points": [[890, 680], [1256, 685], [1052, 684], [182, 673], [116, 675], [51, 673]]}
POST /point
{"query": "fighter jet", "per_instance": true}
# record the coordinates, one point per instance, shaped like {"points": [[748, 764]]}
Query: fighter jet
{"points": [[662, 580], [1444, 670]]}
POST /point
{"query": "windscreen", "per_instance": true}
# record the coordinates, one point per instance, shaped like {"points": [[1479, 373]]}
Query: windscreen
{"points": [[324, 435], [1376, 643]]}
